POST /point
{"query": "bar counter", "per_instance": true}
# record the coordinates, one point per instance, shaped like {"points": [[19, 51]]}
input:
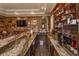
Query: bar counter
{"points": [[21, 45], [60, 50]]}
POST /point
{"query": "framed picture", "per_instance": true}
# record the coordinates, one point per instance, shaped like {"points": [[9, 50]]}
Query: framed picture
{"points": [[34, 22]]}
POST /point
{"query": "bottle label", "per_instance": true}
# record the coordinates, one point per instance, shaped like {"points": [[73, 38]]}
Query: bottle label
{"points": [[72, 49], [75, 51]]}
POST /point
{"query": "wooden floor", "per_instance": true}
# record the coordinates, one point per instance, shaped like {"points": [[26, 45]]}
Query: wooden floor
{"points": [[42, 49]]}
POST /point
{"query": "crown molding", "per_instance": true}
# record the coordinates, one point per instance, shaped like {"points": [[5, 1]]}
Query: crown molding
{"points": [[7, 13], [26, 10]]}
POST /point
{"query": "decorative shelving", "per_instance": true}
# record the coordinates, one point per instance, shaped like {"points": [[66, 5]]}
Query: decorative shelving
{"points": [[64, 13]]}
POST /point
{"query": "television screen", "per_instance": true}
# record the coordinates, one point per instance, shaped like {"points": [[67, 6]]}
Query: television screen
{"points": [[21, 23]]}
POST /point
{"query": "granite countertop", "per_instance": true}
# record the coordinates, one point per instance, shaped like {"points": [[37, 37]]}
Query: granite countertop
{"points": [[5, 41], [18, 48], [60, 50], [30, 41]]}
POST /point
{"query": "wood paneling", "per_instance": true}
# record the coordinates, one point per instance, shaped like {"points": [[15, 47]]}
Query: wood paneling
{"points": [[11, 22], [77, 11]]}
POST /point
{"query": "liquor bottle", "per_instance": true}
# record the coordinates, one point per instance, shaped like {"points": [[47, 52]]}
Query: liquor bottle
{"points": [[69, 41], [74, 45], [59, 38], [65, 39]]}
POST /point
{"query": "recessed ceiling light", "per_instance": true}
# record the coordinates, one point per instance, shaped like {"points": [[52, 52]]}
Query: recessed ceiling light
{"points": [[32, 12], [43, 8], [18, 18], [16, 13]]}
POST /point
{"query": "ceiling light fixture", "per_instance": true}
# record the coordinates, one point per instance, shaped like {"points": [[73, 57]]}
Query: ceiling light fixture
{"points": [[32, 12], [43, 8], [16, 13], [18, 18]]}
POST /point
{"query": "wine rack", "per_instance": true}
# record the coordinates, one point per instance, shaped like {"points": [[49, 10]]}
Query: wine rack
{"points": [[71, 30], [63, 14]]}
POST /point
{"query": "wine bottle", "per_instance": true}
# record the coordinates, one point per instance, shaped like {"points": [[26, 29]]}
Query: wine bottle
{"points": [[65, 39], [74, 45], [59, 38]]}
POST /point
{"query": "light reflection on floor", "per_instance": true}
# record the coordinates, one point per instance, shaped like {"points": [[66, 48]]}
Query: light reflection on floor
{"points": [[41, 49]]}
